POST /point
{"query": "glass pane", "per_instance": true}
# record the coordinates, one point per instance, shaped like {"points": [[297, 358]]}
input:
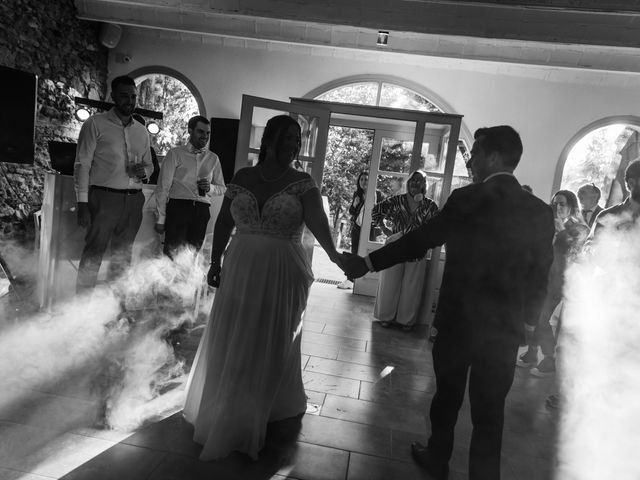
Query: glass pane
{"points": [[252, 161], [458, 182], [395, 96], [395, 155], [462, 157], [434, 149], [166, 94], [363, 93], [434, 189], [308, 125], [386, 186], [303, 166]]}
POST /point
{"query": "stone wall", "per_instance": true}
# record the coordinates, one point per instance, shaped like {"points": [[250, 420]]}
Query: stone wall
{"points": [[47, 39]]}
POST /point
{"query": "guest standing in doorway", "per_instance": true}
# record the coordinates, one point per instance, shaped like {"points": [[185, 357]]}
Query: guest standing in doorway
{"points": [[356, 212], [400, 287]]}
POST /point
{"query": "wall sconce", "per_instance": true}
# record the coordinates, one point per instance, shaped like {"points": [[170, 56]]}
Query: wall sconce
{"points": [[153, 128], [82, 114], [383, 38]]}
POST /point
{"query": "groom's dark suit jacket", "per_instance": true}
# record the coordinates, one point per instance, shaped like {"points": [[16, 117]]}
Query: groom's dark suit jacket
{"points": [[498, 252]]}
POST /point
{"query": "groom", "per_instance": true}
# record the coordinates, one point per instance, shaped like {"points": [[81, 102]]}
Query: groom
{"points": [[498, 240]]}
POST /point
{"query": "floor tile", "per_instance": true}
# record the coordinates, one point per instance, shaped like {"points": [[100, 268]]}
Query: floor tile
{"points": [[383, 392], [365, 467], [46, 410], [405, 363], [343, 369], [348, 332], [332, 340], [46, 452], [385, 416], [315, 462], [320, 382], [316, 398], [120, 462], [303, 361], [313, 349], [311, 326], [6, 474], [173, 434], [355, 437]]}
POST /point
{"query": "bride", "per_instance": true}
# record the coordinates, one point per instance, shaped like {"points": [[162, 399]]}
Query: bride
{"points": [[247, 370]]}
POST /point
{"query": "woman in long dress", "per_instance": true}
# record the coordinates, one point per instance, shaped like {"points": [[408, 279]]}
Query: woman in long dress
{"points": [[400, 287], [247, 370], [571, 234]]}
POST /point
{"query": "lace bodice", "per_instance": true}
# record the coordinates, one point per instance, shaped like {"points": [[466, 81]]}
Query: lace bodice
{"points": [[282, 214]]}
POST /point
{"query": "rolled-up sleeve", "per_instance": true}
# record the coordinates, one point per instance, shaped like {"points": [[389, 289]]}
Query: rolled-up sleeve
{"points": [[218, 186], [85, 150], [165, 179], [147, 161]]}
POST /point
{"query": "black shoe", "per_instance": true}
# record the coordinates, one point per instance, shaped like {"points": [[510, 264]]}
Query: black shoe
{"points": [[422, 456]]}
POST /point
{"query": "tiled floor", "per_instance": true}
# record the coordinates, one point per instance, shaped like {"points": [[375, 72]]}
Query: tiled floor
{"points": [[369, 389]]}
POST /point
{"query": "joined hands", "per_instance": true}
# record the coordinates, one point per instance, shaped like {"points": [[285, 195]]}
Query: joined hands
{"points": [[352, 265]]}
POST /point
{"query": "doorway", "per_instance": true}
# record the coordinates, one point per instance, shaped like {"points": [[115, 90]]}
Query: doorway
{"points": [[402, 141]]}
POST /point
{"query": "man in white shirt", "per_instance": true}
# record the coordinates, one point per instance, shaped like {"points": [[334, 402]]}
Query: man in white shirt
{"points": [[183, 193], [112, 161]]}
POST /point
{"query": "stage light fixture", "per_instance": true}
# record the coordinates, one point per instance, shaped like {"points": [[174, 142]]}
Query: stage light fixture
{"points": [[82, 114], [153, 128], [383, 38]]}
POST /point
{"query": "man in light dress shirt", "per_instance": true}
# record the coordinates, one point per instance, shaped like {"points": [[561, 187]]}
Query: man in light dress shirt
{"points": [[112, 161], [183, 193]]}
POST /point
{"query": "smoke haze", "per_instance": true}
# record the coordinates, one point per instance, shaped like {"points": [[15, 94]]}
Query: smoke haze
{"points": [[599, 355]]}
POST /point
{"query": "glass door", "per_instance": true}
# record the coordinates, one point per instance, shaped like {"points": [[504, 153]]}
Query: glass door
{"points": [[389, 169], [314, 122]]}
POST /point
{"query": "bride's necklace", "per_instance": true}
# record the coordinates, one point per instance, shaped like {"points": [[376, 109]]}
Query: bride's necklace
{"points": [[271, 180]]}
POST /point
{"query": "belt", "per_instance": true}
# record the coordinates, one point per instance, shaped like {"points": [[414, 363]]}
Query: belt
{"points": [[124, 191]]}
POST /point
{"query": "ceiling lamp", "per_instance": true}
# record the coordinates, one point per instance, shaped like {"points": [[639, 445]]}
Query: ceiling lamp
{"points": [[82, 114], [383, 38], [153, 128]]}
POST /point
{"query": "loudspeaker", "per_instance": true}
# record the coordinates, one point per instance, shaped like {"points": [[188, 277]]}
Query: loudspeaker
{"points": [[110, 34], [224, 140]]}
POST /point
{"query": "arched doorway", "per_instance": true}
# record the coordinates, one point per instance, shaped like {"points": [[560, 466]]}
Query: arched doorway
{"points": [[599, 154], [351, 145], [167, 91]]}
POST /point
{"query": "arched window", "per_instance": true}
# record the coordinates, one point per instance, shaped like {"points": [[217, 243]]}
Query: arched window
{"points": [[169, 92], [599, 154], [379, 94], [382, 93]]}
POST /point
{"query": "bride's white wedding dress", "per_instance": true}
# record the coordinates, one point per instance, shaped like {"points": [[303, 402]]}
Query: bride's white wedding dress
{"points": [[247, 370]]}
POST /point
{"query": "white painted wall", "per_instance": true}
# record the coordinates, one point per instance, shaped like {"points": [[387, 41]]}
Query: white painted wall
{"points": [[547, 106]]}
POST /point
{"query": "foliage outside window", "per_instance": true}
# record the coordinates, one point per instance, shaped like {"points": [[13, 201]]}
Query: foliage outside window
{"points": [[595, 158], [170, 96], [349, 149]]}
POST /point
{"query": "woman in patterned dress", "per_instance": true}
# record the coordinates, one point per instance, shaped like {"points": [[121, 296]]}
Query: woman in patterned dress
{"points": [[400, 287]]}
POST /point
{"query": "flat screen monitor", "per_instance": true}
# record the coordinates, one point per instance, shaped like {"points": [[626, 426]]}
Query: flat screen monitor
{"points": [[18, 97]]}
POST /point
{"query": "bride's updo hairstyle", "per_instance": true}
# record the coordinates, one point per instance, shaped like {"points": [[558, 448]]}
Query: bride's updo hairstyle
{"points": [[273, 132]]}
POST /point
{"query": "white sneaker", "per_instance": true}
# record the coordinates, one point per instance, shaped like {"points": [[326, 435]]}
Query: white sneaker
{"points": [[346, 285]]}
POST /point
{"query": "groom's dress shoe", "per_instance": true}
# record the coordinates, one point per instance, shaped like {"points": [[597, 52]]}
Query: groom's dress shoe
{"points": [[437, 469]]}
